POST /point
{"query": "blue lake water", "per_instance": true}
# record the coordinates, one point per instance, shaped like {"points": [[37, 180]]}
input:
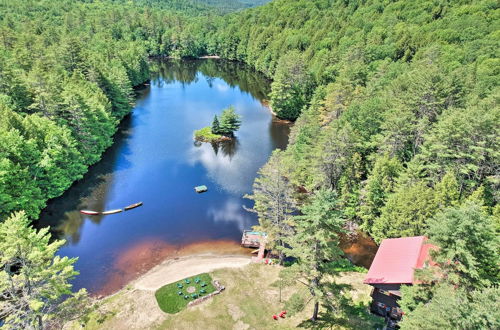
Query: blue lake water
{"points": [[155, 160]]}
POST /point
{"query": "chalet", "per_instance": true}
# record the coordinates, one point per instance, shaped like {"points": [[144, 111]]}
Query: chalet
{"points": [[394, 265]]}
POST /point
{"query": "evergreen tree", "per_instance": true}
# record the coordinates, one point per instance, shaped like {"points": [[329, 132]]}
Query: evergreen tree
{"points": [[215, 125], [274, 203], [34, 282], [230, 122], [468, 245], [406, 212], [292, 86], [316, 239], [454, 308], [378, 187]]}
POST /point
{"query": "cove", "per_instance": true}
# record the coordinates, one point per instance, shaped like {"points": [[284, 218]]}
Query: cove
{"points": [[154, 159]]}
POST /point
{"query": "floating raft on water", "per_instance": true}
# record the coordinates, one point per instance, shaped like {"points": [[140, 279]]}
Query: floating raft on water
{"points": [[200, 189], [132, 206]]}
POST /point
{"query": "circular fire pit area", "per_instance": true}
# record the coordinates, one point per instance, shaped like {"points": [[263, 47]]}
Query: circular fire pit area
{"points": [[174, 297]]}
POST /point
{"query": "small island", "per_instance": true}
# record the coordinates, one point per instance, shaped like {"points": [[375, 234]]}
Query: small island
{"points": [[221, 130]]}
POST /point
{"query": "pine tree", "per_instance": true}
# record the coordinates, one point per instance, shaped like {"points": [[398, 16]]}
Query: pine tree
{"points": [[34, 282], [230, 122], [455, 308], [316, 239], [274, 204], [466, 237], [215, 125]]}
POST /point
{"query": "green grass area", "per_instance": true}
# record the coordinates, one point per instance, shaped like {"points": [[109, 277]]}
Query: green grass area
{"points": [[174, 297], [252, 297], [205, 135]]}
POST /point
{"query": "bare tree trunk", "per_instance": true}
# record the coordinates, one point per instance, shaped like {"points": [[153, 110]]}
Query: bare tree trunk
{"points": [[315, 312]]}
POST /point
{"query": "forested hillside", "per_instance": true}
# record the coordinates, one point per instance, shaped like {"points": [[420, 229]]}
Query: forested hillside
{"points": [[67, 69], [397, 113], [397, 101], [395, 106], [232, 5]]}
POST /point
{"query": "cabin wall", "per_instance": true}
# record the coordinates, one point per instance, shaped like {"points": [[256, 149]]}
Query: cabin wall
{"points": [[383, 298]]}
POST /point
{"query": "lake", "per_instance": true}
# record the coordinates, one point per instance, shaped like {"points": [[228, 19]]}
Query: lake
{"points": [[154, 159]]}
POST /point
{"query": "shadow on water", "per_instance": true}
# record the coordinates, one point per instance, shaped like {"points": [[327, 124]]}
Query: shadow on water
{"points": [[235, 74], [62, 213]]}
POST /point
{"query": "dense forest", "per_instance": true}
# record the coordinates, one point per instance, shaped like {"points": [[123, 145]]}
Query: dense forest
{"points": [[395, 106], [67, 71]]}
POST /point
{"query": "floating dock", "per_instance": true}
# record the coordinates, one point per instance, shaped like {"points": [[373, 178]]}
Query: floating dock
{"points": [[200, 189]]}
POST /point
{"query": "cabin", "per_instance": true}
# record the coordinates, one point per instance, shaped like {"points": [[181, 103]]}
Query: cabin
{"points": [[394, 265]]}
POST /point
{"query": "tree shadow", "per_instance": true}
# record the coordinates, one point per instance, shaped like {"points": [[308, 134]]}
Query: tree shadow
{"points": [[343, 312]]}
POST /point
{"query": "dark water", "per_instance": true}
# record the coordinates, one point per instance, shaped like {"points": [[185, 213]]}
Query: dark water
{"points": [[155, 160]]}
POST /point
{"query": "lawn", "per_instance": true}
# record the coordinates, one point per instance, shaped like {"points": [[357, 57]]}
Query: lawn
{"points": [[249, 301], [252, 297], [174, 297]]}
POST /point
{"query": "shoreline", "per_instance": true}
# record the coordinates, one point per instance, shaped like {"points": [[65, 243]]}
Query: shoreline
{"points": [[276, 119], [171, 270]]}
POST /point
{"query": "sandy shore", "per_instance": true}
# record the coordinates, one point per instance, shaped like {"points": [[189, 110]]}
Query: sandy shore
{"points": [[135, 305], [174, 270]]}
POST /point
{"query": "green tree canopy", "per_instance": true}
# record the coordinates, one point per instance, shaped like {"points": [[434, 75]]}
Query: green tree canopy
{"points": [[34, 281], [315, 240], [230, 122], [468, 245]]}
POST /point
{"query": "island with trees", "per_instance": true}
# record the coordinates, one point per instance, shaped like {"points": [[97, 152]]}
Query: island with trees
{"points": [[221, 129]]}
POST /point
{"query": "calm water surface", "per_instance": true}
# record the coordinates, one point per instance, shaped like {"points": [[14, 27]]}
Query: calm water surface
{"points": [[155, 160]]}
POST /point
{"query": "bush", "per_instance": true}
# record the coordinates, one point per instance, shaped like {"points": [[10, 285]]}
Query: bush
{"points": [[344, 265]]}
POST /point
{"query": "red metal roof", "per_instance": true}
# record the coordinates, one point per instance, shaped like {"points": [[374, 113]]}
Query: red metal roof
{"points": [[396, 260]]}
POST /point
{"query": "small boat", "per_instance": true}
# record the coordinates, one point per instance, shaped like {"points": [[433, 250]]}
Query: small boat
{"points": [[89, 212], [132, 206], [200, 189], [112, 211]]}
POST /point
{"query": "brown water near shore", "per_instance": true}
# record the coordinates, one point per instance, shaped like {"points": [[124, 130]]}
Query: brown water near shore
{"points": [[138, 259], [359, 248], [143, 256]]}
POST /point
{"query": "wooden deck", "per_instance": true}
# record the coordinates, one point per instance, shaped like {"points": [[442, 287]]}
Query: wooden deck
{"points": [[252, 238]]}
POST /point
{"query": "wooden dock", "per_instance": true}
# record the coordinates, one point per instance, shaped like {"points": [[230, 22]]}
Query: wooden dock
{"points": [[255, 239], [252, 238]]}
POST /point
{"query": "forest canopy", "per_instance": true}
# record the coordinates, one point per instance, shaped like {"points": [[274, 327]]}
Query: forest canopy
{"points": [[395, 106]]}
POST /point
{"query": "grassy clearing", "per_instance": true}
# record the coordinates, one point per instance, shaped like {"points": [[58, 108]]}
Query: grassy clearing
{"points": [[251, 297], [174, 297]]}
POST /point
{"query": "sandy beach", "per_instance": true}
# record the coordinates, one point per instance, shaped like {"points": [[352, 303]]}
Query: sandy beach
{"points": [[136, 304], [174, 270]]}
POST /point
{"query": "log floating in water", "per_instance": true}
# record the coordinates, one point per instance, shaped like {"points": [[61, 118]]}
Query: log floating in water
{"points": [[112, 211], [132, 206], [89, 212]]}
